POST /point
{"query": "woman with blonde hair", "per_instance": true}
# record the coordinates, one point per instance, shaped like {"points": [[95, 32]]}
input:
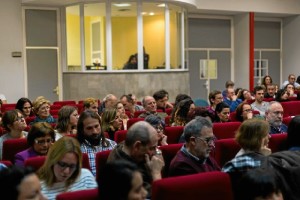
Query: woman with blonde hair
{"points": [[41, 108], [62, 170], [111, 122]]}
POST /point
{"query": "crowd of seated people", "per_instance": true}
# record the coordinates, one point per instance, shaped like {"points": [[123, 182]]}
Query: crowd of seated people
{"points": [[91, 126]]}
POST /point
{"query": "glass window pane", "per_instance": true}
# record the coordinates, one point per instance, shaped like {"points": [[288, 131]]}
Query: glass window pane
{"points": [[94, 35], [154, 35], [124, 35], [73, 38]]}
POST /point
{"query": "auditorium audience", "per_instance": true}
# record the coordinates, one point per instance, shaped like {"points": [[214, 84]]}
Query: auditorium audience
{"points": [[270, 91], [231, 99], [259, 104], [274, 116], [62, 170], [222, 112], [282, 95], [25, 106], [14, 123], [291, 80], [214, 98], [124, 117], [150, 106], [162, 100], [67, 121], [180, 115], [159, 126], [109, 101], [40, 137], [244, 112], [111, 122], [267, 80], [90, 104], [41, 108]]}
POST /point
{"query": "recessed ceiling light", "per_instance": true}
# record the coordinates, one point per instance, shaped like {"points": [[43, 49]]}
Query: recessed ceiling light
{"points": [[122, 4], [151, 13], [144, 13], [162, 5]]}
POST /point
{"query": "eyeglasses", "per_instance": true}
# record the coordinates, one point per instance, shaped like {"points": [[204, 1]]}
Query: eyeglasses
{"points": [[64, 166], [248, 110], [42, 142], [45, 108], [19, 119], [208, 140]]}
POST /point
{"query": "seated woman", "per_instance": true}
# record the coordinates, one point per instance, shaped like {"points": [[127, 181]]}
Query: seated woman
{"points": [[40, 137], [282, 95], [222, 112], [293, 136], [131, 63], [62, 170], [179, 116], [291, 90], [159, 125], [18, 183], [245, 95], [25, 106], [41, 108], [126, 177], [244, 112], [67, 121], [111, 122], [14, 122], [124, 117], [214, 98]]}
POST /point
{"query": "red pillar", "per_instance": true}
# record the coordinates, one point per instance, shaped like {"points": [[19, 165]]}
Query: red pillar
{"points": [[251, 51]]}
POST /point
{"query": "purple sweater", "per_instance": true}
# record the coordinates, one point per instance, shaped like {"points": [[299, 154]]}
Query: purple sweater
{"points": [[24, 155]]}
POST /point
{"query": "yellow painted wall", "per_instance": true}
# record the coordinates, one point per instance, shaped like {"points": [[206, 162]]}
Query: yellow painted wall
{"points": [[73, 39]]}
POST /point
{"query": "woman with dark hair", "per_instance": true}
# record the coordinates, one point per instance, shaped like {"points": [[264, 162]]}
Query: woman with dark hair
{"points": [[14, 122], [267, 80], [40, 137], [282, 95], [159, 124], [131, 63], [244, 112], [62, 170], [67, 121], [124, 176], [18, 183], [293, 136], [222, 112], [203, 112], [25, 106], [179, 116], [245, 95]]}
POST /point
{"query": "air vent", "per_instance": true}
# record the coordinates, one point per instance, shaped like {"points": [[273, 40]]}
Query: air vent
{"points": [[124, 10]]}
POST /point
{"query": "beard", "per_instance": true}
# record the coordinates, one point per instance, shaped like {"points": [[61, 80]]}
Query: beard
{"points": [[94, 139]]}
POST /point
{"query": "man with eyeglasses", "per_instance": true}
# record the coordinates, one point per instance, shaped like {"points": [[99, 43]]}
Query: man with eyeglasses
{"points": [[291, 80], [274, 116], [194, 156]]}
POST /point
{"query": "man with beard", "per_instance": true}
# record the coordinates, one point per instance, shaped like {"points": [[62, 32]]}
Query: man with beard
{"points": [[274, 116], [91, 137], [260, 105], [140, 147], [194, 156]]}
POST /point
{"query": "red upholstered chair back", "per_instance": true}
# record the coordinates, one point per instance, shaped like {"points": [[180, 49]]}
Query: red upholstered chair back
{"points": [[101, 158], [91, 194], [291, 108], [225, 150], [287, 120], [209, 185], [167, 120], [63, 103], [173, 133], [12, 147], [278, 142], [168, 152], [120, 136], [131, 121], [225, 130], [233, 118], [8, 106], [6, 162], [169, 111], [137, 113]]}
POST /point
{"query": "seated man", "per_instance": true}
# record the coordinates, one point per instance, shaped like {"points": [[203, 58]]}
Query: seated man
{"points": [[109, 101], [161, 97], [291, 80], [274, 116], [150, 106], [260, 105], [270, 91], [140, 147], [194, 156], [231, 99]]}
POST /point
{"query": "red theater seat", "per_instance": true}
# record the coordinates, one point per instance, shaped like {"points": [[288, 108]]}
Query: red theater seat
{"points": [[101, 158], [225, 130], [173, 133], [168, 152], [225, 150], [8, 106], [208, 186], [120, 136], [91, 194], [137, 113], [6, 163], [291, 108], [63, 103], [13, 146], [278, 142], [287, 120], [131, 121]]}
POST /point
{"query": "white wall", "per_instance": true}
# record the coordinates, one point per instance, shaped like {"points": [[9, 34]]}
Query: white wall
{"points": [[241, 50], [291, 47], [11, 69]]}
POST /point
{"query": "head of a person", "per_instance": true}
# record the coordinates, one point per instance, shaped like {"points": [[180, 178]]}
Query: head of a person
{"points": [[290, 88], [41, 107], [126, 177], [90, 104], [199, 137], [242, 111], [18, 183], [110, 101], [223, 111], [182, 109], [13, 120], [292, 78], [298, 79], [215, 97], [40, 137], [132, 59], [25, 106], [267, 80], [293, 136], [246, 95], [253, 134], [111, 120], [63, 162], [271, 90], [181, 97], [282, 95], [264, 184], [133, 97], [202, 112], [161, 97], [89, 128], [120, 108], [229, 84], [274, 114], [158, 123], [67, 118], [259, 92], [230, 92], [149, 104], [141, 139], [127, 102]]}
